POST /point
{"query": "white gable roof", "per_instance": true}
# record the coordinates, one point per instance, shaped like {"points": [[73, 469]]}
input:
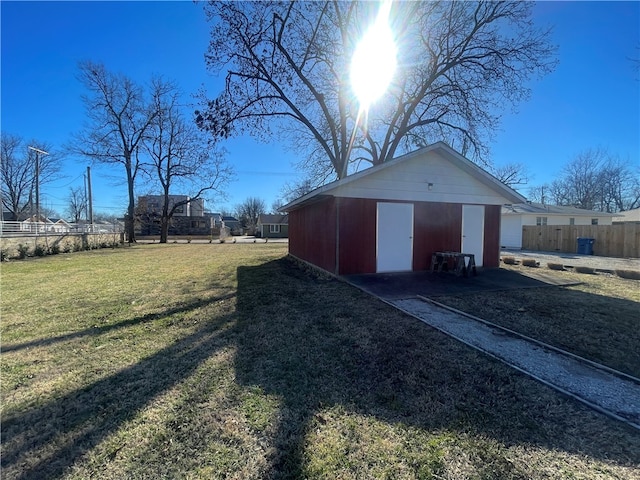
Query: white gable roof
{"points": [[436, 173], [630, 216]]}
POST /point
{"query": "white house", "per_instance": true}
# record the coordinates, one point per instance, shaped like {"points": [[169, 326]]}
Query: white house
{"points": [[514, 217], [630, 216]]}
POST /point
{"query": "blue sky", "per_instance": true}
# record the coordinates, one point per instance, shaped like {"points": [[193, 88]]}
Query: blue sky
{"points": [[591, 100]]}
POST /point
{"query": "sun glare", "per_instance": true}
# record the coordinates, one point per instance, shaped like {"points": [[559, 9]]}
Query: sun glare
{"points": [[374, 61]]}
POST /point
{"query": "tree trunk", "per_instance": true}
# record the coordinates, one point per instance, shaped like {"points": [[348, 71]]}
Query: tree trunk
{"points": [[129, 220], [164, 219], [164, 229]]}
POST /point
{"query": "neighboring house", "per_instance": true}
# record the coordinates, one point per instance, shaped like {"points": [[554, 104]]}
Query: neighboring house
{"points": [[8, 217], [36, 223], [60, 225], [630, 216], [273, 226], [216, 218], [188, 219], [233, 224], [515, 216], [153, 204], [394, 216]]}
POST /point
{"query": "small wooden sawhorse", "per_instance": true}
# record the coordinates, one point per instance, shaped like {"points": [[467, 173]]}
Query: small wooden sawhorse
{"points": [[460, 265]]}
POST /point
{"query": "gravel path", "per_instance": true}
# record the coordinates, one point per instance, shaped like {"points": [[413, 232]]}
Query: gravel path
{"points": [[575, 260], [613, 395]]}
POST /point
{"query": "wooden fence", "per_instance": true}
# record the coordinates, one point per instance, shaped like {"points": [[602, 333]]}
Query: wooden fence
{"points": [[621, 240]]}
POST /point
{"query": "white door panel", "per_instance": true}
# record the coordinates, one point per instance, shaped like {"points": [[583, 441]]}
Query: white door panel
{"points": [[473, 231], [394, 237]]}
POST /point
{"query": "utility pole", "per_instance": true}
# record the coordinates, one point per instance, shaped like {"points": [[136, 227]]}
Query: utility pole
{"points": [[38, 153], [89, 196]]}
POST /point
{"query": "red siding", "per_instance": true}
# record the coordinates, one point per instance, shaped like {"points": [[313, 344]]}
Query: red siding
{"points": [[357, 235], [312, 234], [491, 253], [437, 228]]}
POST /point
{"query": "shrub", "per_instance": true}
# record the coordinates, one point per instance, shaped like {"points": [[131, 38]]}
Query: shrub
{"points": [[3, 254], [23, 251], [628, 274], [54, 249], [555, 266], [509, 260], [39, 251], [529, 262]]}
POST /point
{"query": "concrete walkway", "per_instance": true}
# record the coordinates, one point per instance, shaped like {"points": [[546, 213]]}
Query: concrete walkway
{"points": [[612, 393]]}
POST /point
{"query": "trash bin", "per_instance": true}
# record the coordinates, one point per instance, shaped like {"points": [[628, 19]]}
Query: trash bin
{"points": [[585, 246]]}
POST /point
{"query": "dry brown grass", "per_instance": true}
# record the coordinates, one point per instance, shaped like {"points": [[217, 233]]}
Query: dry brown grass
{"points": [[228, 361]]}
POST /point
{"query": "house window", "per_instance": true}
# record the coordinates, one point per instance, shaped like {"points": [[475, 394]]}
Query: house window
{"points": [[197, 224], [572, 221], [594, 221], [274, 228], [541, 220]]}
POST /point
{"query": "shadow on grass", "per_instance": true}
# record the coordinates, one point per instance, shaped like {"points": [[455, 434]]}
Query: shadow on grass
{"points": [[602, 328], [114, 326], [318, 344], [78, 421]]}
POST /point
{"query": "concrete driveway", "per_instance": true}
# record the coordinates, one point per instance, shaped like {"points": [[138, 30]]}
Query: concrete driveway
{"points": [[575, 260]]}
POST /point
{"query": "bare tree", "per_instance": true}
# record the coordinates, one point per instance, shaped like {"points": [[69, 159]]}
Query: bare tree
{"points": [[19, 174], [77, 205], [180, 156], [118, 119], [276, 205], [511, 174], [539, 193], [249, 211], [292, 190], [287, 69], [595, 179]]}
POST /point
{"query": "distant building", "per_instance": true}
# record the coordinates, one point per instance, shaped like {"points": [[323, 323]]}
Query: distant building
{"points": [[629, 216], [273, 226], [188, 219], [233, 224], [153, 204], [515, 216]]}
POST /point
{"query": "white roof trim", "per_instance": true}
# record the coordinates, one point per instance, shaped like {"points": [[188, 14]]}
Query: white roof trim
{"points": [[538, 209]]}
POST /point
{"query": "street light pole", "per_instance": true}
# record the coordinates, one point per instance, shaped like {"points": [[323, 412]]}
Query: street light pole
{"points": [[38, 153]]}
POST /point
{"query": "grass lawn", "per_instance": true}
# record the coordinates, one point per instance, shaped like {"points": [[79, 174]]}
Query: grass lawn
{"points": [[227, 361], [598, 319]]}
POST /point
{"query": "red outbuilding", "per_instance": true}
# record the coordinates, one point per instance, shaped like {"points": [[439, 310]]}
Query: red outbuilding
{"points": [[394, 216]]}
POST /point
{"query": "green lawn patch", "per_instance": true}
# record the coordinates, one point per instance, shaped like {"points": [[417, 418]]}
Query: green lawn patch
{"points": [[228, 361], [597, 319]]}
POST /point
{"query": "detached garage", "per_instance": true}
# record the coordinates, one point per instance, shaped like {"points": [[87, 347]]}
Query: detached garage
{"points": [[392, 217]]}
